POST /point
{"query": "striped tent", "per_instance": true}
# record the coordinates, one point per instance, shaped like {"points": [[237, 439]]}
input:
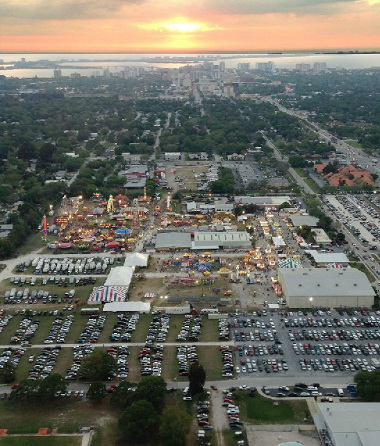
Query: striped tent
{"points": [[289, 262], [108, 294]]}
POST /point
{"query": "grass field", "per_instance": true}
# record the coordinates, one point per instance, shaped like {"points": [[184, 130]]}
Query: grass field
{"points": [[139, 335], [211, 360], [32, 243], [41, 441], [353, 143], [261, 410], [210, 330], [174, 327], [67, 416]]}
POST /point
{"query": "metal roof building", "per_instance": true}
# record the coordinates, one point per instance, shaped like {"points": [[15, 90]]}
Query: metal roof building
{"points": [[274, 201], [304, 220], [172, 240], [327, 257], [350, 424], [326, 287], [221, 240]]}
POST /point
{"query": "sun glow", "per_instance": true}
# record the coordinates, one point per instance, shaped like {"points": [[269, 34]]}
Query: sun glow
{"points": [[182, 27]]}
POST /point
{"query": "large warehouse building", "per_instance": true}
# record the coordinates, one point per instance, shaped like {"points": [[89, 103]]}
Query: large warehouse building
{"points": [[326, 288], [349, 424]]}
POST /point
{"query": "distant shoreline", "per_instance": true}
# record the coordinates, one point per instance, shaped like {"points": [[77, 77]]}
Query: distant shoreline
{"points": [[215, 52]]}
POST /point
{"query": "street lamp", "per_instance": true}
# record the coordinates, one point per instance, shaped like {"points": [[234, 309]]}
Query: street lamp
{"points": [[311, 302]]}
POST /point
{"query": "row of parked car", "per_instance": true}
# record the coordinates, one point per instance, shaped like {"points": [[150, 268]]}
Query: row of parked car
{"points": [[191, 328], [92, 330], [232, 412], [224, 330], [12, 356], [4, 321], [186, 355], [59, 330], [335, 335], [203, 409], [124, 327], [121, 356], [44, 363], [331, 365], [79, 353], [227, 361], [158, 329], [25, 332], [337, 349], [151, 360]]}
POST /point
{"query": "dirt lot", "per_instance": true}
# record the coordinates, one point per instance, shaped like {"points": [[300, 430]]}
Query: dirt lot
{"points": [[276, 434], [186, 173]]}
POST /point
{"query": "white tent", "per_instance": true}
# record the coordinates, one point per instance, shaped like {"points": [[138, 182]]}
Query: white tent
{"points": [[120, 276], [127, 307], [136, 259]]}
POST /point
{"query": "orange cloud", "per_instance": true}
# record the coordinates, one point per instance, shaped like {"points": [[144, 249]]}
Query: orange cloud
{"points": [[200, 25]]}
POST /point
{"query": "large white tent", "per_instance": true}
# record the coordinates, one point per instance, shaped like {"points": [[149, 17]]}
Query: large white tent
{"points": [[136, 259], [119, 276]]}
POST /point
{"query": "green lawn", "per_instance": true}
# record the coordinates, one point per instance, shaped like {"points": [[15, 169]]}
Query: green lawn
{"points": [[210, 330], [211, 360], [176, 321], [41, 441], [66, 415], [261, 410], [139, 335], [9, 330], [353, 143]]}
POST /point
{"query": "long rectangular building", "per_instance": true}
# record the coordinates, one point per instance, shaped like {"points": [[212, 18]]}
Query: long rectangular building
{"points": [[326, 288]]}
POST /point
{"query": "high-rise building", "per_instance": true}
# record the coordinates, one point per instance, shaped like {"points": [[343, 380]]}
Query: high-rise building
{"points": [[265, 66], [57, 74], [244, 66], [319, 67], [222, 67], [303, 67]]}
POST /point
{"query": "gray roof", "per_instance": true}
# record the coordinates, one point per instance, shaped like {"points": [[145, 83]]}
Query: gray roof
{"points": [[173, 240], [135, 183], [264, 201], [316, 282], [328, 257], [304, 220], [352, 424]]}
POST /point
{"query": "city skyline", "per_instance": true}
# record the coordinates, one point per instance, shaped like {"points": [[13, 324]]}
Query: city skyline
{"points": [[179, 26]]}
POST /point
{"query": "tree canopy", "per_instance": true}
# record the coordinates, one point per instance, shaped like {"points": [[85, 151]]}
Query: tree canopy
{"points": [[98, 366]]}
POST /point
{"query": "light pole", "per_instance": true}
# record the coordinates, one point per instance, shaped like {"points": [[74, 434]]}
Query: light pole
{"points": [[311, 302]]}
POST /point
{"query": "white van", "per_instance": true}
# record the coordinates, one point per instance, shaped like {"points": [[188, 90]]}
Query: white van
{"points": [[340, 392], [186, 390]]}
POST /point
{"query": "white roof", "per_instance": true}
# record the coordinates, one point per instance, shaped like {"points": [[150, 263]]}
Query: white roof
{"points": [[340, 282], [131, 307], [278, 241], [320, 236], [136, 259], [303, 220], [352, 424], [120, 276], [328, 257]]}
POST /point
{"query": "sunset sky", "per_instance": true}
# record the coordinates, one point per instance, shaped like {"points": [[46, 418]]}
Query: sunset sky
{"points": [[187, 25]]}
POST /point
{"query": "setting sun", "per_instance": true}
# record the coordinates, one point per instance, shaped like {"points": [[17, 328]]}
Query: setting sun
{"points": [[182, 27]]}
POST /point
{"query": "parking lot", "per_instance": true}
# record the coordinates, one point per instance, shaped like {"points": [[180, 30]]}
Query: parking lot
{"points": [[307, 345], [360, 214]]}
